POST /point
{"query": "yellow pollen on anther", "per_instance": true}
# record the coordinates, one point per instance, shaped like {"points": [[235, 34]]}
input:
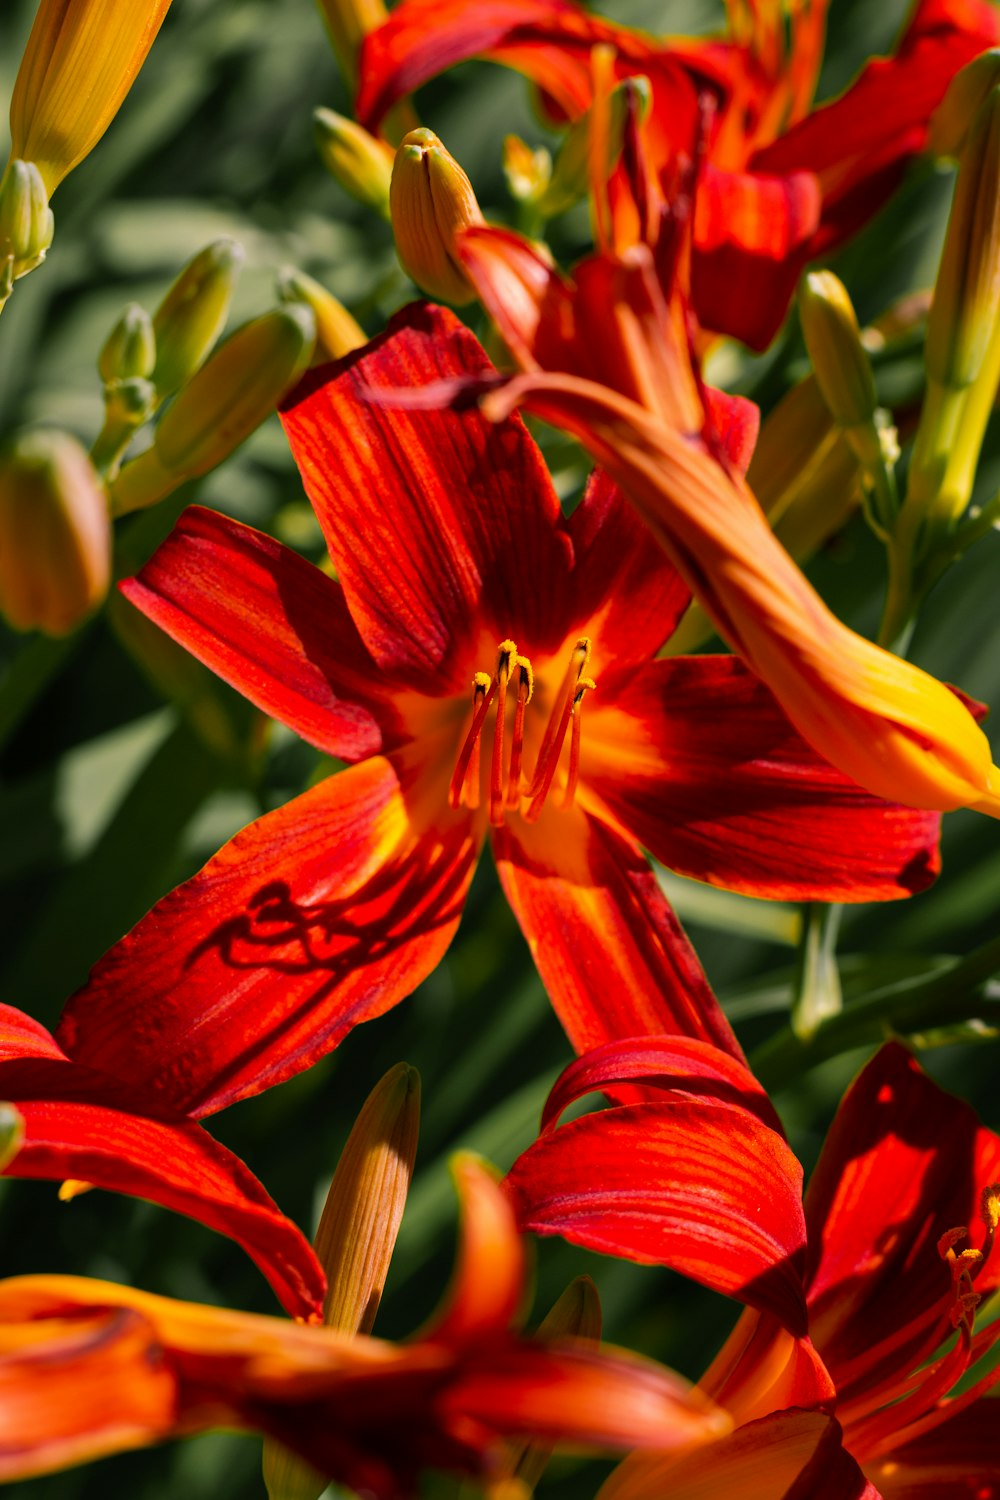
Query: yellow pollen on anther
{"points": [[990, 1207]]}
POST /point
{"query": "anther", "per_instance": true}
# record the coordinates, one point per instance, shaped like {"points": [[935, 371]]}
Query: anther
{"points": [[555, 729]]}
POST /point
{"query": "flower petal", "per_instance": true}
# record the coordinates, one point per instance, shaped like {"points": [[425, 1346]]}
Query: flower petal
{"points": [[789, 1455], [903, 1162], [695, 759], [83, 1125], [318, 916], [444, 528], [270, 624], [955, 1460], [610, 951], [701, 1187]]}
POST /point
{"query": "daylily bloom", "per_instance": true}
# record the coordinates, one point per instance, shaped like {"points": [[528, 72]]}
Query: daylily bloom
{"points": [[489, 667], [90, 1367], [781, 185], [606, 357], [86, 1126], [865, 1308]]}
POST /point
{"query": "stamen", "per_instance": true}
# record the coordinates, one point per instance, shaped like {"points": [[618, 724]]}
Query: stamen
{"points": [[466, 775], [506, 657], [525, 688], [585, 684], [555, 729]]}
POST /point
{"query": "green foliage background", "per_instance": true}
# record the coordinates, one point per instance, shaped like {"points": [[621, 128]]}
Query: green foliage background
{"points": [[110, 793]]}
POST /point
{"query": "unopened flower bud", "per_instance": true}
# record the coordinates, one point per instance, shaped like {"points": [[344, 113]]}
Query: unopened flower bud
{"points": [[337, 333], [528, 171], [966, 305], [358, 161], [81, 60], [432, 201], [130, 348], [967, 92], [571, 173], [348, 23], [357, 1235], [26, 223], [218, 409], [833, 339], [189, 320], [55, 536]]}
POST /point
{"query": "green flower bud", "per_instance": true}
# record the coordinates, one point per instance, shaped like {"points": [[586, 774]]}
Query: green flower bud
{"points": [[55, 535], [218, 409], [188, 321], [130, 348], [843, 369], [337, 333], [432, 201], [26, 223], [358, 161]]}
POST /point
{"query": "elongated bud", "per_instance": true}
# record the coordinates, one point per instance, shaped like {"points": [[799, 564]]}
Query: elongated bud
{"points": [[189, 320], [55, 536], [528, 170], [966, 303], [130, 348], [337, 333], [228, 397], [359, 162], [26, 223], [431, 200], [967, 92], [11, 1134], [348, 23], [833, 339], [81, 60], [356, 1237]]}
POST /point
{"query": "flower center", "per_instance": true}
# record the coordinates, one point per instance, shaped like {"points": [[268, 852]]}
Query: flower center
{"points": [[515, 678]]}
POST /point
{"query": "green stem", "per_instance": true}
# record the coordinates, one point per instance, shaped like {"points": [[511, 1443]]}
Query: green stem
{"points": [[818, 995]]}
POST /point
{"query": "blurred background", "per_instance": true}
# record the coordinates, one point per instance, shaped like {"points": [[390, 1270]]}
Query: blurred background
{"points": [[111, 793]]}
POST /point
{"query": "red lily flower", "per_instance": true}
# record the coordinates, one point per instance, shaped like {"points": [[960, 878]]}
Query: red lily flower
{"points": [[89, 1368], [84, 1125], [889, 1282], [454, 559], [781, 185], [606, 358]]}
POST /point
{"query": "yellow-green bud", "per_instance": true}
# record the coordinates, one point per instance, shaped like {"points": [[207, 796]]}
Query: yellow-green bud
{"points": [[349, 22], [11, 1134], [188, 321], [130, 348], [432, 201], [55, 536], [337, 333], [218, 409], [966, 303], [356, 1236], [528, 172], [967, 92], [833, 339], [358, 161], [26, 223]]}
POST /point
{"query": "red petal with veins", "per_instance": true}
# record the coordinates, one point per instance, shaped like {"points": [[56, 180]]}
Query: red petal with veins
{"points": [[611, 953], [318, 916], [444, 528], [903, 1162], [270, 624], [702, 1187], [712, 779], [85, 1125], [676, 1064], [790, 1455]]}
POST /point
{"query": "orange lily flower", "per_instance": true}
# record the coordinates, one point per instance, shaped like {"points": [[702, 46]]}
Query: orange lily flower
{"points": [[606, 358], [862, 1301], [782, 184], [490, 667], [89, 1368]]}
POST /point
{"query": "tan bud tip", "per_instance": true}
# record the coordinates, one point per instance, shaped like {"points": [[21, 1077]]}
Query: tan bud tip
{"points": [[337, 332], [431, 201], [55, 534], [192, 315], [358, 161], [833, 339]]}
